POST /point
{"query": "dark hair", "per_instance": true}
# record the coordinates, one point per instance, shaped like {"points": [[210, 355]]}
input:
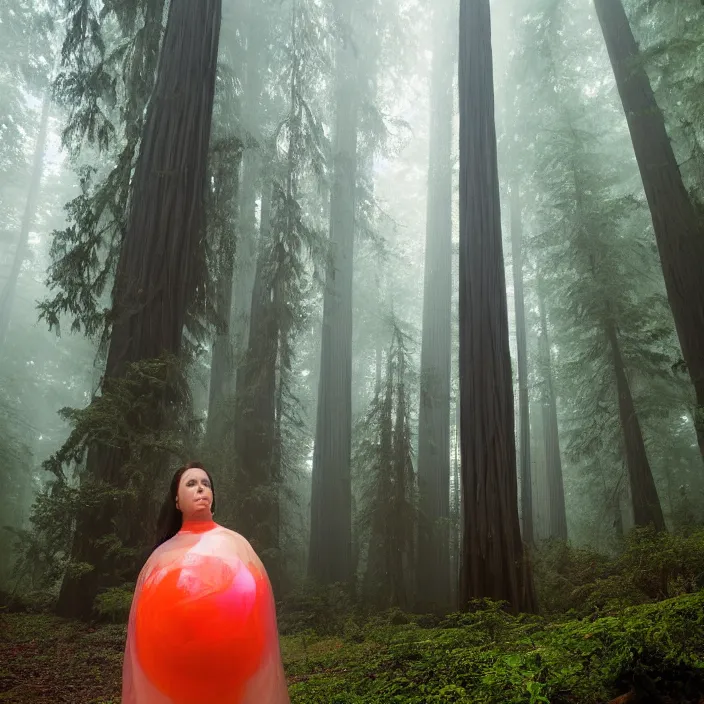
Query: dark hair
{"points": [[170, 518]]}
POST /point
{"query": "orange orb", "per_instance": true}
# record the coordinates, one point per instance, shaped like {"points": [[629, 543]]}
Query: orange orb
{"points": [[200, 629]]}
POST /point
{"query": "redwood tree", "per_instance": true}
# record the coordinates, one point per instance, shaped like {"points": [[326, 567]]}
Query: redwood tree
{"points": [[263, 404], [434, 412], [159, 269], [522, 359], [557, 515], [330, 554], [7, 293], [646, 503], [253, 164], [678, 231], [225, 163], [493, 562]]}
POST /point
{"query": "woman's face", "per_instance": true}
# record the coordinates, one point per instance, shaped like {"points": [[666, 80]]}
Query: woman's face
{"points": [[195, 494]]}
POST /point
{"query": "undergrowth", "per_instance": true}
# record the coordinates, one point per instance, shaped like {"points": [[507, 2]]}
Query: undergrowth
{"points": [[487, 656], [631, 627], [492, 657]]}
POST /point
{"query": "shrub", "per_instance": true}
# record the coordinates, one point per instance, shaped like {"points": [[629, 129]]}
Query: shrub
{"points": [[323, 610], [39, 601], [114, 604], [652, 567], [663, 565]]}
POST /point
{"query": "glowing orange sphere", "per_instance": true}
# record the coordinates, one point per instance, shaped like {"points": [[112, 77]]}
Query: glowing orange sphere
{"points": [[201, 629]]}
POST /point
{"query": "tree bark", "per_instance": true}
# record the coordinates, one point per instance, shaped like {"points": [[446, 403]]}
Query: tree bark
{"points": [[378, 582], [678, 231], [330, 554], [540, 489], [260, 397], [7, 295], [255, 414], [456, 544], [253, 182], [553, 460], [222, 367], [231, 347], [399, 558], [160, 261], [646, 504], [493, 561], [433, 589], [522, 359]]}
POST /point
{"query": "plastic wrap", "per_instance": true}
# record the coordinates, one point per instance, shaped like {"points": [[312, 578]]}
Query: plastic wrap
{"points": [[202, 627]]}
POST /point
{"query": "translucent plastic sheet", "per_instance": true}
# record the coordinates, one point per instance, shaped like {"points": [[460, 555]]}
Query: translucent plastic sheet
{"points": [[202, 627]]}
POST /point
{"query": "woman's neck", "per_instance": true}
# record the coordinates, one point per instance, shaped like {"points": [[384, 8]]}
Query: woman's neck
{"points": [[197, 524]]}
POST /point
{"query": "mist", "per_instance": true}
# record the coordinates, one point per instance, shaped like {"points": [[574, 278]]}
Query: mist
{"points": [[419, 283]]}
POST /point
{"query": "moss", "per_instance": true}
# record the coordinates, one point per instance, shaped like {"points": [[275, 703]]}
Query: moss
{"points": [[485, 656], [651, 567], [494, 657]]}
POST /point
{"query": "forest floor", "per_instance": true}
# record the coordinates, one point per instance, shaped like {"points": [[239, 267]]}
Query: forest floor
{"points": [[648, 653]]}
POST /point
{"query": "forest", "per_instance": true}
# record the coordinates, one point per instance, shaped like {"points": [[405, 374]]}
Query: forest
{"points": [[419, 282]]}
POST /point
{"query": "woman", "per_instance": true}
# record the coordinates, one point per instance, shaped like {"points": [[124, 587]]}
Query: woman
{"points": [[202, 626]]}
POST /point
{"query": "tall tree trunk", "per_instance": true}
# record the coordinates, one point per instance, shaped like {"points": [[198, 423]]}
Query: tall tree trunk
{"points": [[377, 584], [160, 261], [522, 347], [255, 405], [162, 252], [237, 281], [678, 231], [330, 554], [260, 397], [646, 504], [222, 367], [226, 172], [400, 565], [613, 504], [540, 489], [256, 419], [7, 294], [493, 561], [433, 589], [456, 542], [553, 460], [253, 182]]}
